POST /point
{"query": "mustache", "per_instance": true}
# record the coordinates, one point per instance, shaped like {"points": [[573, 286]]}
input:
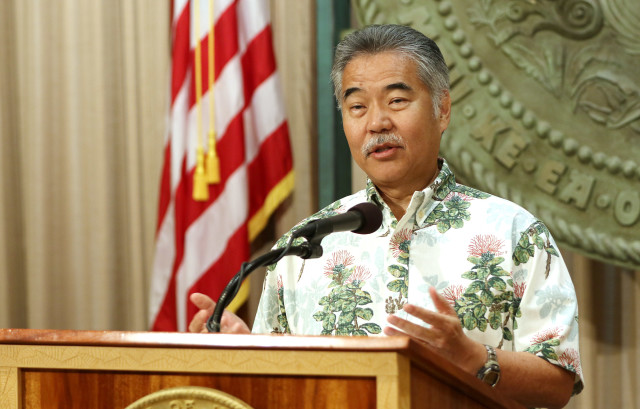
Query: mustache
{"points": [[381, 139]]}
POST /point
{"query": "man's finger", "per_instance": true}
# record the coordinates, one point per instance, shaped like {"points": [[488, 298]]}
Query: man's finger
{"points": [[198, 323], [441, 303], [203, 302], [413, 330], [389, 331]]}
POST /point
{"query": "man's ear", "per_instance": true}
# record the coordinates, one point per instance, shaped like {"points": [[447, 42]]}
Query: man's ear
{"points": [[445, 110]]}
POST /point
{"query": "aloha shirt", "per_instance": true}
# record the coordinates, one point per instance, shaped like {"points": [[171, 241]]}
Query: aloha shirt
{"points": [[492, 260]]}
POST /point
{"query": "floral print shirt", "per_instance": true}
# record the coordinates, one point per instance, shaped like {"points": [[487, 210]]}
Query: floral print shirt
{"points": [[492, 260]]}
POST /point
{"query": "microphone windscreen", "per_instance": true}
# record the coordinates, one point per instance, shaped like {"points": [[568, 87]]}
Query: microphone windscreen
{"points": [[371, 215]]}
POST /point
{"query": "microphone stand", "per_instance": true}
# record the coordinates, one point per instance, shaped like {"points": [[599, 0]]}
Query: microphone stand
{"points": [[309, 249]]}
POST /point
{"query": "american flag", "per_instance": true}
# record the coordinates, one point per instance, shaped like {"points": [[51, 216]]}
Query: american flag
{"points": [[200, 245]]}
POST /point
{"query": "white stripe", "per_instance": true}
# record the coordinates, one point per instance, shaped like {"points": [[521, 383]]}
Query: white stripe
{"points": [[162, 262], [219, 7], [253, 17], [229, 89], [207, 237], [263, 116], [178, 132]]}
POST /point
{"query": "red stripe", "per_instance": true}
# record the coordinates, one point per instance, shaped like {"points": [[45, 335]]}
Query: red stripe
{"points": [[167, 312], [258, 63], [180, 53], [226, 38], [165, 186], [213, 281], [264, 172], [167, 319]]}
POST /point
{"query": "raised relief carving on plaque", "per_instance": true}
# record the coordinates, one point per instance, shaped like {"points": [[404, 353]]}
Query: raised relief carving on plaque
{"points": [[189, 397], [546, 108]]}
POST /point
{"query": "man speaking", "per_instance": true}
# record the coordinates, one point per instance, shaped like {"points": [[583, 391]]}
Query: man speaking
{"points": [[469, 274]]}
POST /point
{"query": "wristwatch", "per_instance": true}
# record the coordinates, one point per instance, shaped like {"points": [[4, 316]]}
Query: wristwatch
{"points": [[490, 372]]}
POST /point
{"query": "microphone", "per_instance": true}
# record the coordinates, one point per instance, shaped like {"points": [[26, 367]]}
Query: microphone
{"points": [[363, 218]]}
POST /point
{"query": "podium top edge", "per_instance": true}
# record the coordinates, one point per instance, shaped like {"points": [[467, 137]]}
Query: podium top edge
{"points": [[189, 340]]}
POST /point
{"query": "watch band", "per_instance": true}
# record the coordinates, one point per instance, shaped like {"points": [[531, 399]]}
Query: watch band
{"points": [[490, 372]]}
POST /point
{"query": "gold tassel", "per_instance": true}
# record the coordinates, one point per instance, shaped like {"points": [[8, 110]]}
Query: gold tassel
{"points": [[200, 187], [213, 163]]}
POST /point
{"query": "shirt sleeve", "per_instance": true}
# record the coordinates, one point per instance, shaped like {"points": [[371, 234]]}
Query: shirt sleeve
{"points": [[547, 323]]}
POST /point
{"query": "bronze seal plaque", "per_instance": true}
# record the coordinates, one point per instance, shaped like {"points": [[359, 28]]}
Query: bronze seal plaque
{"points": [[546, 108], [189, 397]]}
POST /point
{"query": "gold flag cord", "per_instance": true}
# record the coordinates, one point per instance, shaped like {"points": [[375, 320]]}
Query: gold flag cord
{"points": [[200, 187], [213, 163]]}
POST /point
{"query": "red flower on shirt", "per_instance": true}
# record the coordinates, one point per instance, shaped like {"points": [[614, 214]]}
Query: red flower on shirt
{"points": [[338, 263], [571, 359], [452, 293], [400, 242], [360, 273], [546, 335], [485, 243], [518, 289]]}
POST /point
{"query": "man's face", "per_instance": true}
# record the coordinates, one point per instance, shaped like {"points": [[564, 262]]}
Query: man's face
{"points": [[382, 95]]}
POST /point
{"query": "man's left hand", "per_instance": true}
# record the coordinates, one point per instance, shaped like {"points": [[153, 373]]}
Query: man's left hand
{"points": [[445, 333]]}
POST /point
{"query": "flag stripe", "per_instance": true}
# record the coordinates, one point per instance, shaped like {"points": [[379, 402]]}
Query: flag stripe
{"points": [[179, 127], [219, 6], [225, 49], [164, 199], [180, 54], [257, 63], [253, 17], [227, 213], [263, 116], [264, 174]]}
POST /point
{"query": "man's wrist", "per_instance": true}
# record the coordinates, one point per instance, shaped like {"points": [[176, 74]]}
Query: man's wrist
{"points": [[489, 373]]}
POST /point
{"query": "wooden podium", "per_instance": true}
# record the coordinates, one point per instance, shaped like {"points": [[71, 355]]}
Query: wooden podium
{"points": [[96, 369]]}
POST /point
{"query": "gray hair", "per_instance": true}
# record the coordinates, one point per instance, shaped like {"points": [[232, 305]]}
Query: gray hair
{"points": [[432, 69]]}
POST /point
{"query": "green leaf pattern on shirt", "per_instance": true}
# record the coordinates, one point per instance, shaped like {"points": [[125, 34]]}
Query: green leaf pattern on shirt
{"points": [[491, 291], [343, 311], [282, 316], [532, 238], [400, 244]]}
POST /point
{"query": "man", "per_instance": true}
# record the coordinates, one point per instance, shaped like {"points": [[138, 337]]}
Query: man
{"points": [[473, 276]]}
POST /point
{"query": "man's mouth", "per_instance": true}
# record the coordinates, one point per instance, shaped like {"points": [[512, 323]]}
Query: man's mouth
{"points": [[381, 148], [382, 144]]}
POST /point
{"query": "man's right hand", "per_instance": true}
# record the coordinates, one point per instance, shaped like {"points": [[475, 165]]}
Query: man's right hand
{"points": [[229, 324]]}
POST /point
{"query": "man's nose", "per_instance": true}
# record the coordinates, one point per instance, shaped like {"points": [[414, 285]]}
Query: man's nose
{"points": [[379, 119]]}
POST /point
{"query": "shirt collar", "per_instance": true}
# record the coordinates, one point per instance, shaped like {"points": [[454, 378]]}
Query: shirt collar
{"points": [[421, 201]]}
